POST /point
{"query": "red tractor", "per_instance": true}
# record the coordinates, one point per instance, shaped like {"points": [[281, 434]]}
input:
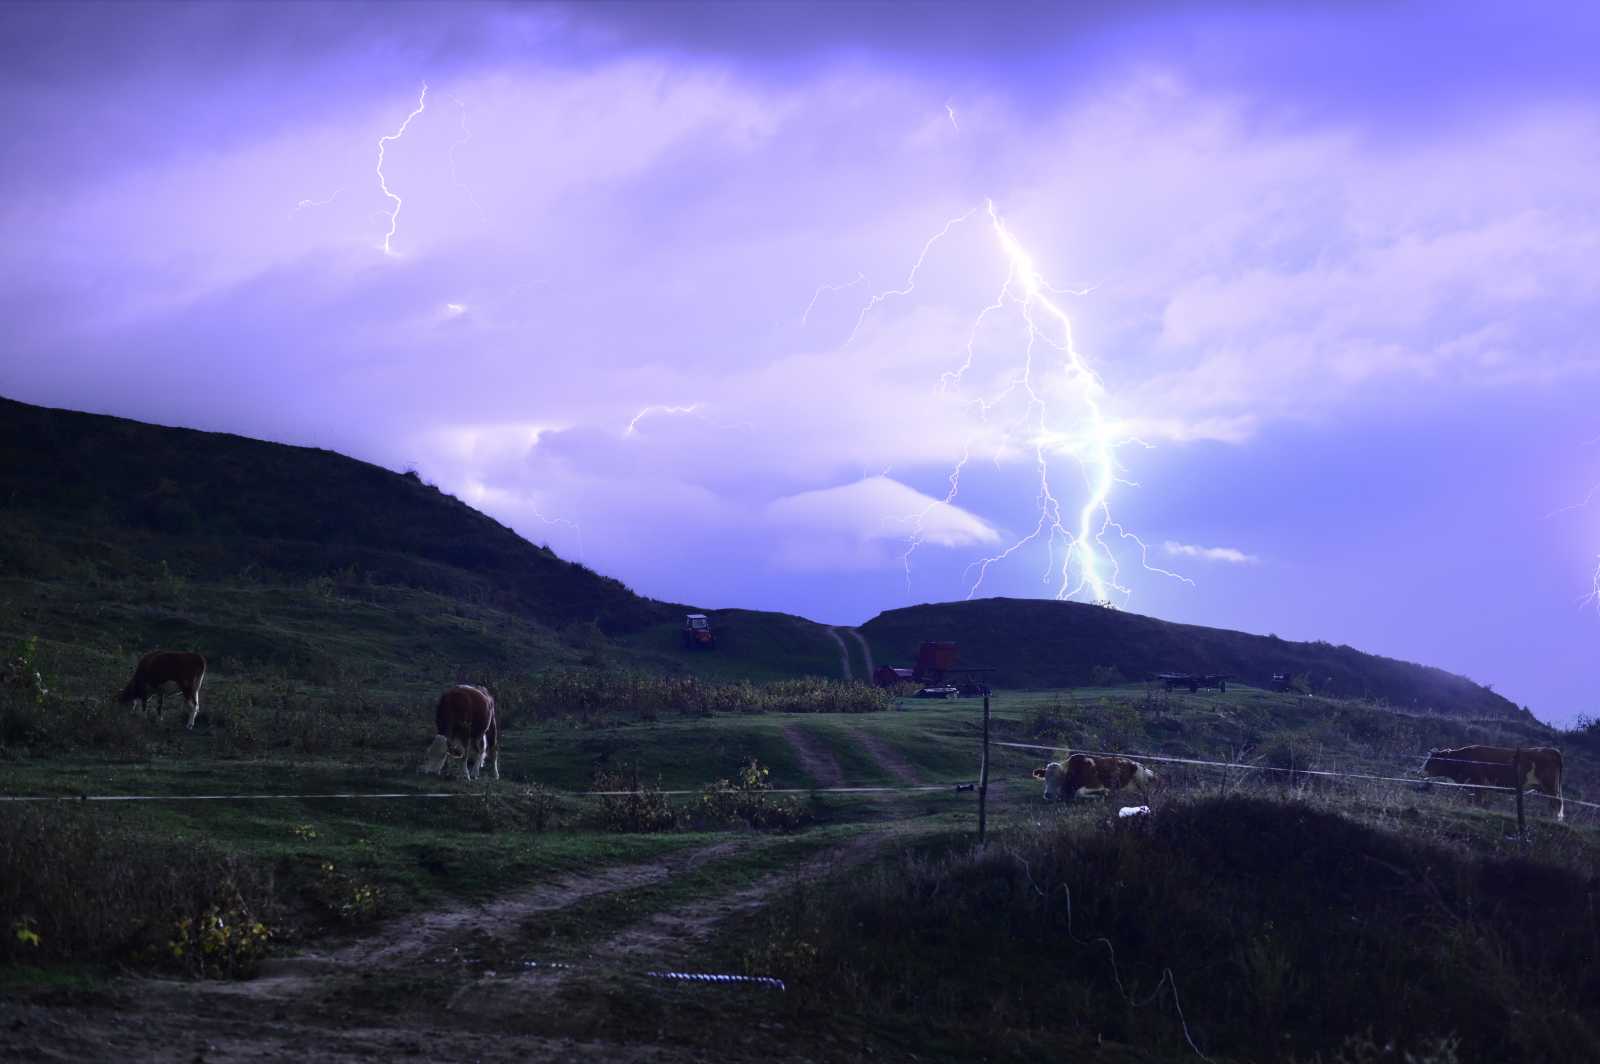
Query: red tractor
{"points": [[697, 632]]}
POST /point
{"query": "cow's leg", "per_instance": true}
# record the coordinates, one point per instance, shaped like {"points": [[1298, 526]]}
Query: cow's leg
{"points": [[1554, 791], [495, 753], [194, 701], [474, 757]]}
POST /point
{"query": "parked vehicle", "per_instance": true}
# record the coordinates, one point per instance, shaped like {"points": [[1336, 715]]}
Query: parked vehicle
{"points": [[697, 634], [1195, 680]]}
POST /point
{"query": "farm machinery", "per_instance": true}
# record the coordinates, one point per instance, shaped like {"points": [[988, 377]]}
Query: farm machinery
{"points": [[936, 670], [697, 634]]}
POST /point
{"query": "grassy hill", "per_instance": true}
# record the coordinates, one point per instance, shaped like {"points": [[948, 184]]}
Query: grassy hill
{"points": [[1037, 644], [117, 536]]}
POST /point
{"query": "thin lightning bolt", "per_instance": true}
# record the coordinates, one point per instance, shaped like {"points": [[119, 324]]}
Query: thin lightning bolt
{"points": [[303, 204], [577, 528], [1594, 582], [1087, 564], [911, 278], [821, 288], [658, 408], [951, 111], [466, 135], [394, 215]]}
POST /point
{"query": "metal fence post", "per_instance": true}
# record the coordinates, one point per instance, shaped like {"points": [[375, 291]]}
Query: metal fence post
{"points": [[983, 772], [1516, 767]]}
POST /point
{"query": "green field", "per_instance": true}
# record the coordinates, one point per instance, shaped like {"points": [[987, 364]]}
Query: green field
{"points": [[1296, 916]]}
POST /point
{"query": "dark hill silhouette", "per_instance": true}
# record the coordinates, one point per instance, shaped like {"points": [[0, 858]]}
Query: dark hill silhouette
{"points": [[110, 492], [1041, 643]]}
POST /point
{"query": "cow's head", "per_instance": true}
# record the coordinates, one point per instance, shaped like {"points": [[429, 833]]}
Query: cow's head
{"points": [[1055, 780], [131, 693]]}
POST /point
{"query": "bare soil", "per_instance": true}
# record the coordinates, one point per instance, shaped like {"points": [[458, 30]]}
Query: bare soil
{"points": [[817, 760], [888, 757], [418, 987]]}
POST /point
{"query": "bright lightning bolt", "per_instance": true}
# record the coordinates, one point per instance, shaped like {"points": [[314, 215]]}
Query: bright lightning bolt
{"points": [[394, 215], [951, 111], [658, 408], [1087, 563]]}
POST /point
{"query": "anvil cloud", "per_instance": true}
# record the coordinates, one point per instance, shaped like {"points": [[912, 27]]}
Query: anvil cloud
{"points": [[1340, 266]]}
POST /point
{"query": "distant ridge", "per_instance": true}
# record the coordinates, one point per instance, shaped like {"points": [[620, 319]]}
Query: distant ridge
{"points": [[1043, 643]]}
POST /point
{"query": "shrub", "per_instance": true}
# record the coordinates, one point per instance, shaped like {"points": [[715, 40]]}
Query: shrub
{"points": [[748, 799], [639, 808], [75, 888]]}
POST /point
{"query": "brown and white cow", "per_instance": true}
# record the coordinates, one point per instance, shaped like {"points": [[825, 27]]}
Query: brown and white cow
{"points": [[1495, 766], [1082, 776], [161, 667], [465, 727]]}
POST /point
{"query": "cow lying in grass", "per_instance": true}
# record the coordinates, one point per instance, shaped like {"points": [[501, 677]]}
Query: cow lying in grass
{"points": [[1082, 776], [161, 667], [1495, 766], [465, 727]]}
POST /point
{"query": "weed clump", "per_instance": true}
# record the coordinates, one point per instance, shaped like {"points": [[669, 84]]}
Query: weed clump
{"points": [[632, 807], [1287, 931], [73, 888], [747, 798]]}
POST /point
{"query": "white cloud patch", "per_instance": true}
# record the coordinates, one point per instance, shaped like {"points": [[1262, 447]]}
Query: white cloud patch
{"points": [[866, 524], [1229, 555]]}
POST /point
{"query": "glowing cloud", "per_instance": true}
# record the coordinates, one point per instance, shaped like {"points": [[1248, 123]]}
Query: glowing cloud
{"points": [[1210, 554]]}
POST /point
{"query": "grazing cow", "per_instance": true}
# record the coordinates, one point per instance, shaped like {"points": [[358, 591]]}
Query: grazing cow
{"points": [[1496, 767], [161, 667], [465, 727], [1082, 776]]}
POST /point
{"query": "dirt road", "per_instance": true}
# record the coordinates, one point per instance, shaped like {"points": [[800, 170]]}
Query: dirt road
{"points": [[467, 982]]}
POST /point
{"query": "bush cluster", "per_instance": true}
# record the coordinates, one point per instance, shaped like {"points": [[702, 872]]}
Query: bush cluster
{"points": [[748, 799]]}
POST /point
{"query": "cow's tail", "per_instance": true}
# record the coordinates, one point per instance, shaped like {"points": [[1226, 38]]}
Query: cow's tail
{"points": [[433, 760]]}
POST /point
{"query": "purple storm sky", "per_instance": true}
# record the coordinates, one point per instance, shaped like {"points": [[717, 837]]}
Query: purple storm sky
{"points": [[1333, 272]]}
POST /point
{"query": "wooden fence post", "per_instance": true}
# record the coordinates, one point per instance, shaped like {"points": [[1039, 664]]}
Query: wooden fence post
{"points": [[1516, 767], [983, 772]]}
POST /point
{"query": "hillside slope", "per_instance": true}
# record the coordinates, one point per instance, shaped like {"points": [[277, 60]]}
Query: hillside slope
{"points": [[1042, 643], [116, 536], [110, 494]]}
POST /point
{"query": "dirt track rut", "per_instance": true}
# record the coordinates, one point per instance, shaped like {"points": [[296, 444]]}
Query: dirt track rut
{"points": [[816, 759]]}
